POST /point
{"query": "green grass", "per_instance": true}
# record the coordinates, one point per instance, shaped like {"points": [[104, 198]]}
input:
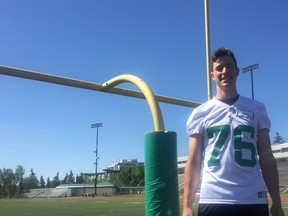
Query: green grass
{"points": [[54, 207], [79, 207]]}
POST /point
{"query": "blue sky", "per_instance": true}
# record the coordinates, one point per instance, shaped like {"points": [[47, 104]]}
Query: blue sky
{"points": [[47, 127]]}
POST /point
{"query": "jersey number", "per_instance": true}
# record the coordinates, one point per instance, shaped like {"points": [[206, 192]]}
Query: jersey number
{"points": [[239, 145]]}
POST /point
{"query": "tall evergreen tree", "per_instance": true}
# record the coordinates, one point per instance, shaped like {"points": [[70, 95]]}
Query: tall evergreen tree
{"points": [[48, 183], [42, 182], [56, 181], [278, 139], [71, 178], [79, 179], [65, 179]]}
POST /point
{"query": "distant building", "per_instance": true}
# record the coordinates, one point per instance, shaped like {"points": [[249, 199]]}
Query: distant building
{"points": [[123, 163], [110, 172], [103, 188]]}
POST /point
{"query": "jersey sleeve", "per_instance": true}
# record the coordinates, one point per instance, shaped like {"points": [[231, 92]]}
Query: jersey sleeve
{"points": [[264, 121], [194, 123]]}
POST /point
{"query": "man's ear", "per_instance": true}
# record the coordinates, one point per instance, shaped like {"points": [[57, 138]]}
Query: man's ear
{"points": [[212, 75], [237, 71]]}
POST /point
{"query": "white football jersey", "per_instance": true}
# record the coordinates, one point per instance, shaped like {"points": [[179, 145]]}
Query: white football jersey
{"points": [[231, 172]]}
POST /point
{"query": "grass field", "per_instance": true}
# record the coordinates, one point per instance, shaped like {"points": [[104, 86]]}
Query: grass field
{"points": [[129, 206], [70, 207]]}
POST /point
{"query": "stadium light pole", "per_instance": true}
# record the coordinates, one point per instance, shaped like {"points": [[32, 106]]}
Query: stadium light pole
{"points": [[251, 68], [96, 125]]}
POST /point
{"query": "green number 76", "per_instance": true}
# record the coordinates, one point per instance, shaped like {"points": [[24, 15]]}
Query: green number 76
{"points": [[239, 145]]}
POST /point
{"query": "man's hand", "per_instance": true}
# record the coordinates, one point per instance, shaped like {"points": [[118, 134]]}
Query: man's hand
{"points": [[276, 210], [187, 212]]}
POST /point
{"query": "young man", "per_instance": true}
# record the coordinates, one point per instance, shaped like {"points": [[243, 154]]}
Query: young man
{"points": [[231, 134]]}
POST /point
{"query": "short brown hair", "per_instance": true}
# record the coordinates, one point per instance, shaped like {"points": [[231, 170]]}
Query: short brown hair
{"points": [[220, 52]]}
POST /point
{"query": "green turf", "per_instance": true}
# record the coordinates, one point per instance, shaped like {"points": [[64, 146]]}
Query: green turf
{"points": [[46, 207], [79, 207]]}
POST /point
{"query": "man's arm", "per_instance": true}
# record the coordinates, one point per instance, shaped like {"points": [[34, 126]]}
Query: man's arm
{"points": [[269, 171], [192, 172]]}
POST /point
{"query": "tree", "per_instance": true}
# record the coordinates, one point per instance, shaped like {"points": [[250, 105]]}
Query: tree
{"points": [[1, 183], [7, 182], [125, 176], [42, 182], [31, 182], [113, 177], [56, 180], [48, 183], [71, 178], [138, 175], [11, 183], [132, 176], [79, 179], [65, 179], [278, 139], [19, 177], [87, 179]]}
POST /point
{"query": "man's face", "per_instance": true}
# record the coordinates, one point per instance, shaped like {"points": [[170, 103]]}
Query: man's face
{"points": [[225, 72]]}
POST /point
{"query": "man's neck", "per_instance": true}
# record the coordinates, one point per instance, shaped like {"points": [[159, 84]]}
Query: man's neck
{"points": [[224, 95], [230, 101]]}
